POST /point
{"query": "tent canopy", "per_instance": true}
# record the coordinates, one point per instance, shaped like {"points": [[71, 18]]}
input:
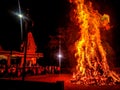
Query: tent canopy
{"points": [[3, 57]]}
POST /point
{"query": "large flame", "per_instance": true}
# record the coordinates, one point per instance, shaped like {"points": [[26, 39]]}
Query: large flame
{"points": [[92, 67]]}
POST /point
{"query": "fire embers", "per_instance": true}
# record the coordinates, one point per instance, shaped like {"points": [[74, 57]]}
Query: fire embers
{"points": [[94, 78]]}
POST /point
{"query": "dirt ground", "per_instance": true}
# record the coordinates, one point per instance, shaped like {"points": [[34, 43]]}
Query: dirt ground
{"points": [[51, 78]]}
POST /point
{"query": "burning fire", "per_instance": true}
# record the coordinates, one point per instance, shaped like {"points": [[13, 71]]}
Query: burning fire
{"points": [[92, 67]]}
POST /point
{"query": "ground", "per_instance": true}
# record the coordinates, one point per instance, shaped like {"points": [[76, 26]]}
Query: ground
{"points": [[52, 78]]}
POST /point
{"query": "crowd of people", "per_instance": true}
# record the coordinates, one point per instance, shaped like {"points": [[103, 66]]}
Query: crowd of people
{"points": [[16, 71]]}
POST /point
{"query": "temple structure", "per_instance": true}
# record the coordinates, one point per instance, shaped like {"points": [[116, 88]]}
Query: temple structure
{"points": [[31, 54]]}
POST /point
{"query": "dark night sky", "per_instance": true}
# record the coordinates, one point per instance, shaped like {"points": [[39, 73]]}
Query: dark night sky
{"points": [[47, 15]]}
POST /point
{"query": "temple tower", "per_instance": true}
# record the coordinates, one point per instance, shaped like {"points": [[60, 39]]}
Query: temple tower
{"points": [[31, 50]]}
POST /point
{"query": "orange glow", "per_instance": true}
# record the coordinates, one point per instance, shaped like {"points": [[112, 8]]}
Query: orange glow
{"points": [[92, 66]]}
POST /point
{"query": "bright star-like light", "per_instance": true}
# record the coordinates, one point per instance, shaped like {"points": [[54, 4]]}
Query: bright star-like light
{"points": [[20, 15], [59, 55]]}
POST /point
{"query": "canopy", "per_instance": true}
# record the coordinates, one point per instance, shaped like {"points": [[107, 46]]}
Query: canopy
{"points": [[3, 57]]}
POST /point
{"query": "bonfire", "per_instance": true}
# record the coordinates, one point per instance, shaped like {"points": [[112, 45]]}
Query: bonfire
{"points": [[92, 66]]}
